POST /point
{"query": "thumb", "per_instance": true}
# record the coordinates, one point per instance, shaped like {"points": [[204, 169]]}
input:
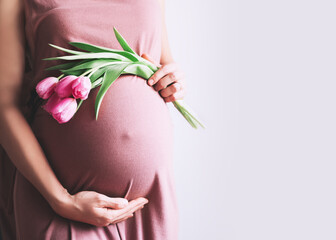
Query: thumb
{"points": [[145, 56]]}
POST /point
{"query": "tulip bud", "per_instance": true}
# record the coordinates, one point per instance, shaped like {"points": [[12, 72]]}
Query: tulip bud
{"points": [[64, 86], [51, 103], [62, 109], [45, 88], [81, 87], [65, 110]]}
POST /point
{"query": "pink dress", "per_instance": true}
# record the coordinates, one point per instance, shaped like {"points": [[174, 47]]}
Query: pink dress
{"points": [[127, 152]]}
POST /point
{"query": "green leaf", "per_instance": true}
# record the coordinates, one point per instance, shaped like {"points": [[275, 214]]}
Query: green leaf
{"points": [[112, 56], [100, 69], [187, 113], [184, 114], [62, 66], [91, 64], [111, 74], [75, 72], [66, 50], [90, 47], [98, 49], [97, 74], [123, 42], [140, 70]]}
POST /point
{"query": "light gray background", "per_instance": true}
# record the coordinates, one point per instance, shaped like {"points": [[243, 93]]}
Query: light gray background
{"points": [[261, 75]]}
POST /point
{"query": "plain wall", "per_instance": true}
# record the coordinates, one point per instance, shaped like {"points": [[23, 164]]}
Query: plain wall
{"points": [[261, 75]]}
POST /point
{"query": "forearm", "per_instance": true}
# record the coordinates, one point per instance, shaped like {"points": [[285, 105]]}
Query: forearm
{"points": [[166, 56], [22, 147]]}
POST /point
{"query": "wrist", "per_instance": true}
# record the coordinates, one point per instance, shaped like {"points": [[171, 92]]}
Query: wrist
{"points": [[60, 201]]}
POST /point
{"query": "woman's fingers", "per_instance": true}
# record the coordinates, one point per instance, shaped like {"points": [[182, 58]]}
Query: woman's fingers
{"points": [[176, 96], [133, 206], [145, 56], [117, 203], [168, 79], [107, 216], [171, 89], [110, 217], [123, 219], [98, 209], [164, 70]]}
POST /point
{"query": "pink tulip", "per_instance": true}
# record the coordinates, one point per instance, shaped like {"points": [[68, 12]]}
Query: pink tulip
{"points": [[81, 87], [66, 110], [64, 86], [62, 109], [46, 87], [52, 102]]}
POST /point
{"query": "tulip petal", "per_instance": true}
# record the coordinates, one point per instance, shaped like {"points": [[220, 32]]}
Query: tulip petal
{"points": [[64, 86], [45, 88], [81, 87], [67, 109], [52, 102]]}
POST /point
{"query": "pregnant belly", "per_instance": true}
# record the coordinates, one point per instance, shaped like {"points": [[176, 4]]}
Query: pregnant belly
{"points": [[120, 153]]}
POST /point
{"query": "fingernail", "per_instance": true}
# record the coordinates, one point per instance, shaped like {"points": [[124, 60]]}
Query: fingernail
{"points": [[150, 82]]}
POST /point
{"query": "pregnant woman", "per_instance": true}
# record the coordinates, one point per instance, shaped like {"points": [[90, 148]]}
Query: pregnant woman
{"points": [[109, 178]]}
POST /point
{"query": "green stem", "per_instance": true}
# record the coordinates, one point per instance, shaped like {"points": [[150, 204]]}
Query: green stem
{"points": [[88, 71], [187, 113], [96, 83], [60, 76], [80, 103]]}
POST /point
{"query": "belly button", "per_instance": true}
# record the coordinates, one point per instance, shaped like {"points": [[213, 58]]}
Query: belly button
{"points": [[126, 136]]}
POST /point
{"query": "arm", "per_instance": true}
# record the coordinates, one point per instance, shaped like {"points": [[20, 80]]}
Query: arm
{"points": [[169, 79], [166, 56], [22, 146], [16, 136]]}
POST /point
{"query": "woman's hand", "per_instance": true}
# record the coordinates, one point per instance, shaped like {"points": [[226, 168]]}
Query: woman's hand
{"points": [[98, 209], [168, 81]]}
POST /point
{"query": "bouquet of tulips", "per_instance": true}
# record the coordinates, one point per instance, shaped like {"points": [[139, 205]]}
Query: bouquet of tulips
{"points": [[97, 66]]}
